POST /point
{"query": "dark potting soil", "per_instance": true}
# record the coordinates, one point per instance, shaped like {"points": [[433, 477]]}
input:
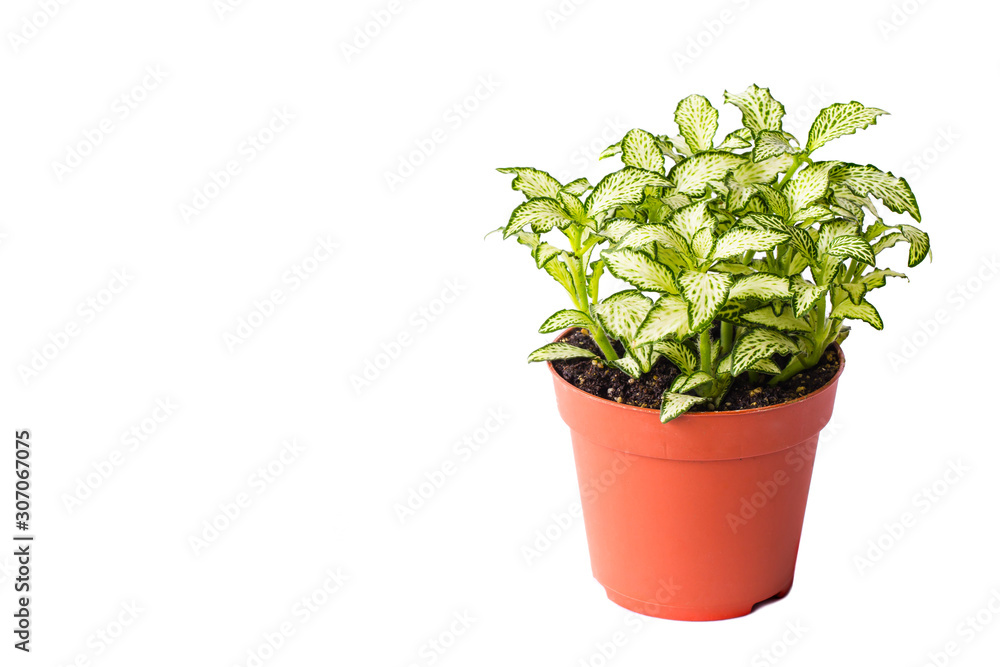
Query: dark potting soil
{"points": [[594, 377]]}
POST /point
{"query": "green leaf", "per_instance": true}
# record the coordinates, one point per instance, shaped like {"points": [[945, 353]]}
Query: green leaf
{"points": [[668, 317], [566, 319], [686, 383], [888, 241], [855, 291], [533, 182], [737, 269], [763, 286], [705, 294], [808, 185], [854, 247], [739, 240], [760, 110], [862, 311], [678, 354], [894, 192], [674, 405], [920, 243], [638, 269], [639, 149], [784, 321], [804, 295], [769, 144], [554, 351], [698, 121], [622, 313], [542, 214], [622, 187], [766, 366], [692, 175], [759, 344], [541, 252], [839, 119]]}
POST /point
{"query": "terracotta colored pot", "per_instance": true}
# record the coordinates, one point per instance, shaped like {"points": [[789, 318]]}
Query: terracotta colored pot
{"points": [[698, 519]]}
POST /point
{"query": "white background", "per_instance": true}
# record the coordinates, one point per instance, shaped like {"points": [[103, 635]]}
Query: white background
{"points": [[565, 81]]}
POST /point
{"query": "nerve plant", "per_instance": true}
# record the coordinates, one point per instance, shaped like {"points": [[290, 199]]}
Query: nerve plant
{"points": [[746, 255]]}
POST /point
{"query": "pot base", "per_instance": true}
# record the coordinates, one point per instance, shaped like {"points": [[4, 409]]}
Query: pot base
{"points": [[688, 613]]}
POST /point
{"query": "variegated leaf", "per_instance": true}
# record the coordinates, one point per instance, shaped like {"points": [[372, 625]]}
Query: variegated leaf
{"points": [[894, 192], [771, 143], [763, 172], [698, 121], [887, 241], [668, 317], [566, 319], [876, 278], [554, 351], [737, 140], [763, 286], [628, 365], [808, 185], [784, 321], [622, 313], [621, 187], [703, 243], [689, 220], [815, 213], [920, 243], [739, 240], [542, 214], [678, 354], [854, 247], [674, 405], [638, 269], [839, 119], [611, 151], [705, 294], [862, 311], [573, 206], [639, 149], [855, 291], [533, 182], [685, 383], [643, 235], [805, 295], [616, 228], [760, 110], [577, 187], [766, 366], [693, 174], [759, 344], [776, 202]]}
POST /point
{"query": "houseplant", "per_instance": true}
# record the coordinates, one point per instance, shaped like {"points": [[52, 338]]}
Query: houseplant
{"points": [[743, 259]]}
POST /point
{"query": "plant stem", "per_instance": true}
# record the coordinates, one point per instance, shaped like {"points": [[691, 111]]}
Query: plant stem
{"points": [[706, 351], [788, 174], [727, 338], [602, 342]]}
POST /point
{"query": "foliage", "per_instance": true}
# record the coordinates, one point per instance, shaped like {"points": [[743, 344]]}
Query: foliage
{"points": [[745, 255]]}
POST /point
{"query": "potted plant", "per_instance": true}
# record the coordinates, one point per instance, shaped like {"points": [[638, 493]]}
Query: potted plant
{"points": [[712, 373]]}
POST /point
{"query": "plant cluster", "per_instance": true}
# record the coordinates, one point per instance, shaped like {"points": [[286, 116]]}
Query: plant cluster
{"points": [[746, 255]]}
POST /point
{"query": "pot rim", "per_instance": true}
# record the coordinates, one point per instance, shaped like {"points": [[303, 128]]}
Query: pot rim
{"points": [[704, 415]]}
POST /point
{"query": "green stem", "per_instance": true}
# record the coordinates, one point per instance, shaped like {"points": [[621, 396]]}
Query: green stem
{"points": [[788, 174], [706, 351], [821, 333], [727, 338]]}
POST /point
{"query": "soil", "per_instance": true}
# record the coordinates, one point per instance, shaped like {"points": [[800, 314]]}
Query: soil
{"points": [[594, 377]]}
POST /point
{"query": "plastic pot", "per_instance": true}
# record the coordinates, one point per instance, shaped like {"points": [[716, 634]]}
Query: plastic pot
{"points": [[698, 519]]}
